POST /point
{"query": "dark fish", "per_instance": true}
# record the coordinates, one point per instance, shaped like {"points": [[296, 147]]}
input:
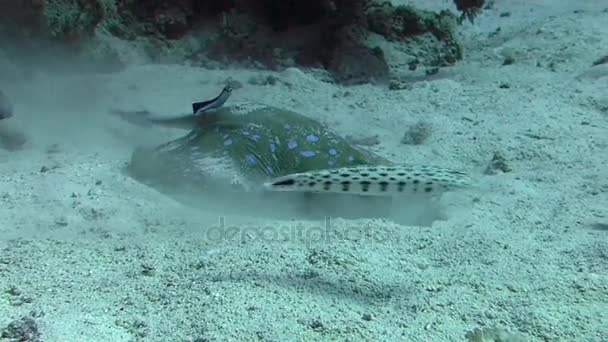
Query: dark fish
{"points": [[205, 106]]}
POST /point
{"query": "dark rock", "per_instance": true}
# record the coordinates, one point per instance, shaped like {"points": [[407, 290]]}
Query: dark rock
{"points": [[356, 64], [71, 22], [417, 134], [427, 36], [498, 164], [271, 34], [469, 8], [24, 329]]}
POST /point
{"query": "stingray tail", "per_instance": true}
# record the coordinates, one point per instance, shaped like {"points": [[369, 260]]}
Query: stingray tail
{"points": [[367, 180]]}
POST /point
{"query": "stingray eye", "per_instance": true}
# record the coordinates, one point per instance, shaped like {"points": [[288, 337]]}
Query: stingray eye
{"points": [[228, 89]]}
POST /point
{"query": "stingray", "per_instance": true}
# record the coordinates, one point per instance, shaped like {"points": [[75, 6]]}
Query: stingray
{"points": [[251, 152]]}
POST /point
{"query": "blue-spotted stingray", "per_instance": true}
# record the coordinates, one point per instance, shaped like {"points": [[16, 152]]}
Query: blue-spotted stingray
{"points": [[255, 151]]}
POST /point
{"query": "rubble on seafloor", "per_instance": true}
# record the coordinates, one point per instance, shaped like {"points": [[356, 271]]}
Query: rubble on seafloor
{"points": [[348, 38]]}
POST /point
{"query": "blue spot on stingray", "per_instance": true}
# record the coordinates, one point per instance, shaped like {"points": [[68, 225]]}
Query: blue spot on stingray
{"points": [[351, 158], [245, 133], [292, 144], [255, 137], [333, 151], [312, 138], [273, 148], [228, 142], [308, 154], [251, 160]]}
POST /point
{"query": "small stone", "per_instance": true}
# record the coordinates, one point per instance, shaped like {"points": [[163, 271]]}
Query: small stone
{"points": [[417, 134], [431, 71], [13, 291], [147, 270], [498, 164], [24, 329], [399, 85], [61, 222], [508, 60]]}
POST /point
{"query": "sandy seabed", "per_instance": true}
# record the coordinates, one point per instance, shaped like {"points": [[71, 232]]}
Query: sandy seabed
{"points": [[90, 254]]}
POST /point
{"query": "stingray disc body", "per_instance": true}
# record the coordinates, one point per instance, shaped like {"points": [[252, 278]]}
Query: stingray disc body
{"points": [[241, 146]]}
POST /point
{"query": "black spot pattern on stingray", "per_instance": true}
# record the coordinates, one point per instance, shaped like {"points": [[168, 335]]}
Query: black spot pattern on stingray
{"points": [[415, 181], [383, 174], [286, 182], [365, 186], [428, 189], [345, 175], [312, 184], [345, 186], [327, 186], [383, 186], [401, 174], [401, 186]]}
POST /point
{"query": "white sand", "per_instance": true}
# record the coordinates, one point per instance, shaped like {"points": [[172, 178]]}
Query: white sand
{"points": [[526, 250]]}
